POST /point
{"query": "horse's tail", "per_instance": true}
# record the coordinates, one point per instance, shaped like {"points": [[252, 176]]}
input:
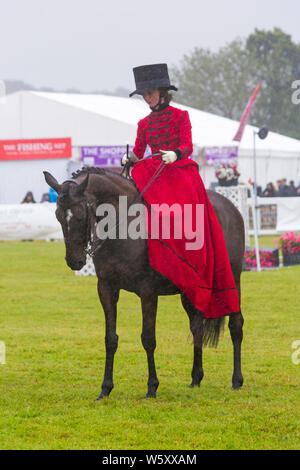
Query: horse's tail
{"points": [[212, 327]]}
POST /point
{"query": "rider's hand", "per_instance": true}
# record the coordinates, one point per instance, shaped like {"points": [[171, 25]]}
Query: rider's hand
{"points": [[125, 159], [168, 156], [131, 158]]}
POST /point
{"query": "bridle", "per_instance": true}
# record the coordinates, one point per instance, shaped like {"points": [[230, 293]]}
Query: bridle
{"points": [[90, 221], [93, 244]]}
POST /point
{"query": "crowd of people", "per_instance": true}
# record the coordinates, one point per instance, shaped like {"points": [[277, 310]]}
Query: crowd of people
{"points": [[280, 189]]}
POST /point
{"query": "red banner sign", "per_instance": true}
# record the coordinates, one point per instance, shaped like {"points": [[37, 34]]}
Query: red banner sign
{"points": [[35, 149]]}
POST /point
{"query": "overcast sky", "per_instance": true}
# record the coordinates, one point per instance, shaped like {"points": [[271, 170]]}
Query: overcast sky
{"points": [[93, 44]]}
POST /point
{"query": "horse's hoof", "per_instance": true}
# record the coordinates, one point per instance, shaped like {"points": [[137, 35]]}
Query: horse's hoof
{"points": [[237, 384], [236, 387], [100, 397], [150, 395], [194, 385]]}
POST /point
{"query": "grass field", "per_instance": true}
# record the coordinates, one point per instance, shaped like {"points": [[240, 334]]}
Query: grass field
{"points": [[53, 327]]}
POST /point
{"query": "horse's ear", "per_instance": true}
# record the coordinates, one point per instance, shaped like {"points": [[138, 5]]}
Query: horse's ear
{"points": [[82, 186], [52, 181]]}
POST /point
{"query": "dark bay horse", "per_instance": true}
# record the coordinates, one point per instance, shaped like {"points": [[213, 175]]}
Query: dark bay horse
{"points": [[123, 264]]}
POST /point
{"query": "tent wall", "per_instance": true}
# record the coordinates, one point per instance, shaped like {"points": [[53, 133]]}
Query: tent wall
{"points": [[268, 168], [10, 117], [103, 120], [28, 115], [18, 177]]}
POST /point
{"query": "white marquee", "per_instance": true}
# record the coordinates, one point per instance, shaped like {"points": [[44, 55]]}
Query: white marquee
{"points": [[109, 120]]}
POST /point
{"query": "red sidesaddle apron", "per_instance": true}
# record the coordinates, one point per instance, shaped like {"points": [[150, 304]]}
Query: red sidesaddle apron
{"points": [[204, 275]]}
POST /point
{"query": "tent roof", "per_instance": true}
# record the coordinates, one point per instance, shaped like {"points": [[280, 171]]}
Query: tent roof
{"points": [[208, 129]]}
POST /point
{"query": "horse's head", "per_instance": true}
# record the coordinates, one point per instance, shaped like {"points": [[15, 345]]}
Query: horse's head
{"points": [[72, 212]]}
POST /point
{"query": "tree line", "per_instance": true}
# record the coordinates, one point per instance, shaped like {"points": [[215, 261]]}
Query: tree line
{"points": [[12, 86], [222, 82]]}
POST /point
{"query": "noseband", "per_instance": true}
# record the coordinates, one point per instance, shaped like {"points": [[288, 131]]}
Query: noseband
{"points": [[91, 223]]}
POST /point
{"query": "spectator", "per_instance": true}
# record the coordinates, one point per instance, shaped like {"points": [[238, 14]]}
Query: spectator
{"points": [[277, 186], [52, 195], [281, 189], [284, 188], [269, 191], [45, 197], [292, 189], [28, 199]]}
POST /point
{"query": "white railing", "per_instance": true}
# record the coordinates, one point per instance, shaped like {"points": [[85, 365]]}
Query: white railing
{"points": [[238, 196], [29, 222], [276, 215], [38, 221]]}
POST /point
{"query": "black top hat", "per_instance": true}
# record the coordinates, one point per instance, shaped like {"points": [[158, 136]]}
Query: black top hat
{"points": [[151, 77]]}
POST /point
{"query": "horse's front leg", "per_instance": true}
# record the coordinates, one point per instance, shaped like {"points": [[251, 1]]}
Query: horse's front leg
{"points": [[109, 298], [149, 309]]}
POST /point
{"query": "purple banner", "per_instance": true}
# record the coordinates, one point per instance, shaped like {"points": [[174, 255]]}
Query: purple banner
{"points": [[215, 155], [105, 155], [108, 155]]}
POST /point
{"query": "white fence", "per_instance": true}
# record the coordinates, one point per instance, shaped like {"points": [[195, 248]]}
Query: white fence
{"points": [[238, 196], [29, 222], [38, 221], [276, 215]]}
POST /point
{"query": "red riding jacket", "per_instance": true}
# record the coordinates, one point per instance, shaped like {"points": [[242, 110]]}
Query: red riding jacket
{"points": [[203, 274], [169, 129]]}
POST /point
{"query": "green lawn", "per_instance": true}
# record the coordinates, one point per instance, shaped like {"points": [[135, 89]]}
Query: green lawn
{"points": [[265, 241], [53, 327]]}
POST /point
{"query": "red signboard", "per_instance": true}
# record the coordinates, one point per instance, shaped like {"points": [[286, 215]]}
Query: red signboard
{"points": [[35, 149]]}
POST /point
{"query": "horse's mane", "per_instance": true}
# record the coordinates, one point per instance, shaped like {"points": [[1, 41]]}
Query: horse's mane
{"points": [[95, 170]]}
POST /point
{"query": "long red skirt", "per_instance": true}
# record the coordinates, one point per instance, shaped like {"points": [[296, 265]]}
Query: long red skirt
{"points": [[200, 268]]}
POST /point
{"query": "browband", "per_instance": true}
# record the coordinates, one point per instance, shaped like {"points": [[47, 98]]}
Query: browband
{"points": [[71, 181]]}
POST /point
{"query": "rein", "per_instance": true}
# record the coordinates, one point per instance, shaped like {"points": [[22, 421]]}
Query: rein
{"points": [[128, 164], [91, 227], [91, 252]]}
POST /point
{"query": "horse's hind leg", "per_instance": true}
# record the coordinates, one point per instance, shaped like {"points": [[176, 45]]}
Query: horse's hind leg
{"points": [[109, 299], [149, 310], [235, 325], [196, 326]]}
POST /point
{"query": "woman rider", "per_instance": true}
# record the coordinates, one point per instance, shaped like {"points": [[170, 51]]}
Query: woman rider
{"points": [[201, 270]]}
